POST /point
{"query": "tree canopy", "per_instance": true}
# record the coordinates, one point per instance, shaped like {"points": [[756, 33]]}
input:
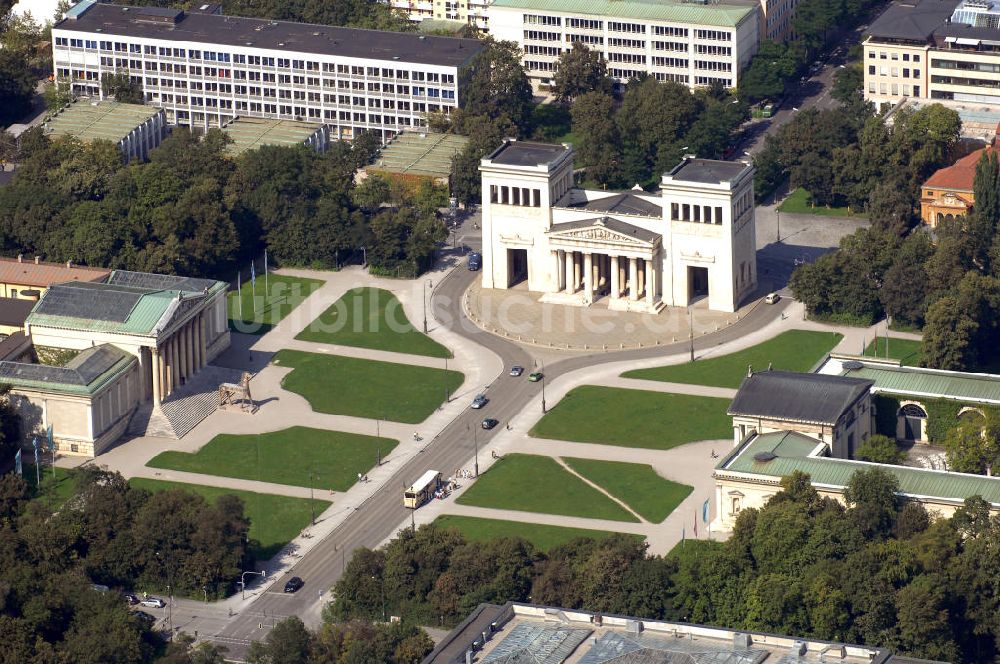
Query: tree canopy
{"points": [[579, 71]]}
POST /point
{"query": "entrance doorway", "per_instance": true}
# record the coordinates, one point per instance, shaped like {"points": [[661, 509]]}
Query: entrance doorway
{"points": [[913, 418], [697, 282], [517, 266]]}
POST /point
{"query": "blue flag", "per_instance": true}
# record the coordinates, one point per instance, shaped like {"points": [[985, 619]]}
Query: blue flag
{"points": [[17, 463], [52, 443], [704, 512], [253, 278], [34, 443]]}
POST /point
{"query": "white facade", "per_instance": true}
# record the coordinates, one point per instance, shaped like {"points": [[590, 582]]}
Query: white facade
{"points": [[677, 49], [637, 251], [473, 12], [318, 75]]}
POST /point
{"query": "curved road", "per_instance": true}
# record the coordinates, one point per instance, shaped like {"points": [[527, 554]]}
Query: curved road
{"points": [[380, 516]]}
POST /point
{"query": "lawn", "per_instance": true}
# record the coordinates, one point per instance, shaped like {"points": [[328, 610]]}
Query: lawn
{"points": [[263, 309], [55, 490], [298, 456], [635, 484], [532, 483], [905, 350], [634, 418], [541, 536], [693, 548], [371, 318], [798, 202], [794, 350], [367, 388], [274, 520]]}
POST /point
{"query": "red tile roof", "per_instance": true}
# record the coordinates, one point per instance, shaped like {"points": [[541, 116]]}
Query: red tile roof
{"points": [[43, 275], [958, 176]]}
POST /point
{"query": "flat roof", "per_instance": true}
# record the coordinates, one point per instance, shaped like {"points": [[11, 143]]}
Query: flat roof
{"points": [[251, 133], [707, 171], [912, 20], [420, 153], [517, 632], [407, 47], [918, 381], [105, 120], [780, 454], [621, 203], [726, 15], [42, 275], [527, 153]]}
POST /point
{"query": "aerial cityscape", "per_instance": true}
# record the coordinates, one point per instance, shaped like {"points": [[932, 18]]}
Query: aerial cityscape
{"points": [[499, 331]]}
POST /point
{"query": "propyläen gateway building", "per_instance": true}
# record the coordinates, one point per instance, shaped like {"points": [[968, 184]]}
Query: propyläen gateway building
{"points": [[206, 69]]}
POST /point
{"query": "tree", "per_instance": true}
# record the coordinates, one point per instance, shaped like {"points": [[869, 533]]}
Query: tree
{"points": [[495, 84], [371, 193], [872, 495], [986, 188], [847, 84], [974, 446], [906, 286], [879, 449], [289, 642], [465, 180], [122, 87], [947, 336], [771, 70], [352, 13], [579, 71], [16, 87], [184, 650], [599, 144]]}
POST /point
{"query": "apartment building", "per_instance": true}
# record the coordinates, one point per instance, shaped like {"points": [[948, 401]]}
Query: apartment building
{"points": [[934, 49], [472, 12], [694, 43], [206, 69], [776, 19]]}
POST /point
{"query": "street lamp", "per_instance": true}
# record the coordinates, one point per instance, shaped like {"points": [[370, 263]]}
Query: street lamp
{"points": [[541, 369], [691, 332], [170, 594], [312, 504], [778, 213], [243, 581], [475, 443], [425, 302]]}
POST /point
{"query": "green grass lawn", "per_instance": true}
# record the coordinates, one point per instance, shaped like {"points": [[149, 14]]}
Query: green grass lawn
{"points": [[798, 202], [693, 548], [532, 483], [794, 350], [905, 350], [371, 318], [55, 490], [367, 388], [634, 418], [274, 520], [635, 484], [298, 456], [542, 537], [265, 308]]}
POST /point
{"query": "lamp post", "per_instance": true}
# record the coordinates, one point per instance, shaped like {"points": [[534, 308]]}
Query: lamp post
{"points": [[542, 371], [312, 504], [383, 597], [691, 332], [475, 443], [243, 581], [777, 212], [425, 302]]}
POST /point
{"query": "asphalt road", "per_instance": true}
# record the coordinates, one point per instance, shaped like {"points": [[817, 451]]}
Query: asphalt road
{"points": [[381, 515]]}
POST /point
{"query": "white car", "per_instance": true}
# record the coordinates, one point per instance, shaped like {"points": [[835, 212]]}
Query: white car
{"points": [[154, 602], [772, 298]]}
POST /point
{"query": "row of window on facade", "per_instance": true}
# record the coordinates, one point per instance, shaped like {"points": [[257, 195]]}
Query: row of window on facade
{"points": [[702, 214], [893, 71], [633, 28], [629, 58], [522, 196], [883, 55], [893, 89], [262, 61]]}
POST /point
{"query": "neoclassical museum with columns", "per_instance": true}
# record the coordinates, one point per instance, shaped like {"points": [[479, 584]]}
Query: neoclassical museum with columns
{"points": [[131, 338], [630, 251]]}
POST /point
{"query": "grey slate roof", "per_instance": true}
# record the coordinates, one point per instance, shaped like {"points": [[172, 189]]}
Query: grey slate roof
{"points": [[243, 33], [912, 21], [14, 310], [797, 397], [527, 153], [624, 203], [88, 300], [615, 225], [150, 281], [81, 371]]}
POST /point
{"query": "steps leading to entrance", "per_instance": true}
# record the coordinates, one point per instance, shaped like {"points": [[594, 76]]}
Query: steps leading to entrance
{"points": [[185, 408]]}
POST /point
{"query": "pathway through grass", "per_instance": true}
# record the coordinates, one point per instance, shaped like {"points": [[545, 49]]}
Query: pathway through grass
{"points": [[637, 485], [264, 308]]}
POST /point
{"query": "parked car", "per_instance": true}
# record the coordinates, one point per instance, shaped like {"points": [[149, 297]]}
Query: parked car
{"points": [[772, 298], [153, 602], [147, 618], [294, 584], [489, 423], [516, 370], [479, 401], [130, 598], [536, 376], [475, 261]]}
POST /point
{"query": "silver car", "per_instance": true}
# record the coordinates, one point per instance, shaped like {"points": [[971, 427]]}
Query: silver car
{"points": [[479, 401], [154, 602]]}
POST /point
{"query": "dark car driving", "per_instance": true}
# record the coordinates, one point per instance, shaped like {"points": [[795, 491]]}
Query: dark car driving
{"points": [[294, 584]]}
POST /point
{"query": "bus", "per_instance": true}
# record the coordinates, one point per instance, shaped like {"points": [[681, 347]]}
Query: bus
{"points": [[422, 490]]}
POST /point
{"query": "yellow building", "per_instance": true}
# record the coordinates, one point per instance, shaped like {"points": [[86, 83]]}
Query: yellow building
{"points": [[28, 279], [948, 193]]}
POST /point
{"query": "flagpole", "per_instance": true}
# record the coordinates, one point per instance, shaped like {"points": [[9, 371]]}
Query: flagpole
{"points": [[239, 291], [266, 291]]}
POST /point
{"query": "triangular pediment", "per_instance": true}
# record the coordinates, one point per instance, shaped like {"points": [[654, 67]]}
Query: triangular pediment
{"points": [[605, 232]]}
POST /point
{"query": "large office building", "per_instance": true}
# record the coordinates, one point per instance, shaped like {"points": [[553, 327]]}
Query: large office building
{"points": [[634, 251], [694, 43], [472, 12], [205, 69], [934, 49]]}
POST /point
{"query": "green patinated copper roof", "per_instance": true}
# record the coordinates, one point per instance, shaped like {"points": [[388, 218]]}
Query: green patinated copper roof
{"points": [[107, 120], [983, 388], [251, 133], [670, 11], [792, 451]]}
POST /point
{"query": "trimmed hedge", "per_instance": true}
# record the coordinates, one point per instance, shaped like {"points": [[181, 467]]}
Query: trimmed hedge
{"points": [[942, 414]]}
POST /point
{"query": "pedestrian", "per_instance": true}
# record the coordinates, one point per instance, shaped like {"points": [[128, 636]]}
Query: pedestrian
{"points": [[359, 478], [508, 426]]}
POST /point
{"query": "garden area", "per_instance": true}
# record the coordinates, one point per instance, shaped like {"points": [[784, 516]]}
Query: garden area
{"points": [[907, 351], [637, 485], [367, 388], [541, 536], [532, 483], [265, 306], [794, 350], [371, 318], [274, 520], [634, 418], [799, 201], [298, 456]]}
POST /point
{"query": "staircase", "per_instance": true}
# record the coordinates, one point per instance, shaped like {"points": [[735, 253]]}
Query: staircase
{"points": [[185, 408]]}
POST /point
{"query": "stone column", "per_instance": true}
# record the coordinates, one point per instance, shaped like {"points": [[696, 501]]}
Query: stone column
{"points": [[175, 365], [569, 261], [557, 272], [199, 328], [155, 362], [641, 288], [633, 279], [576, 270], [588, 276], [189, 349], [616, 289], [650, 283]]}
